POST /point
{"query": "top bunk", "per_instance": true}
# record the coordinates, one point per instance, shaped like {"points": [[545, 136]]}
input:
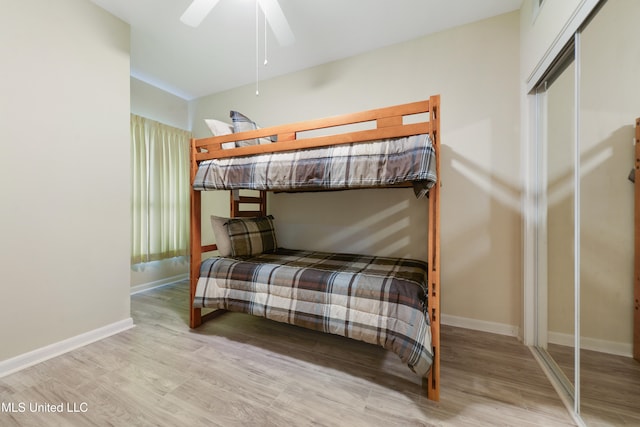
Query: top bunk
{"points": [[390, 147]]}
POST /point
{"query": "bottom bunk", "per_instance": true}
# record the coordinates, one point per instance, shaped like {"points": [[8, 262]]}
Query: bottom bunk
{"points": [[378, 300]]}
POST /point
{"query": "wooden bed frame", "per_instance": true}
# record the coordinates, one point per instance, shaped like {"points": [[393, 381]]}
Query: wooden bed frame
{"points": [[389, 123], [636, 278]]}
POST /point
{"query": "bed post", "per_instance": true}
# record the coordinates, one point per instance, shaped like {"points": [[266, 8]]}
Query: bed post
{"points": [[433, 251], [195, 314], [636, 278]]}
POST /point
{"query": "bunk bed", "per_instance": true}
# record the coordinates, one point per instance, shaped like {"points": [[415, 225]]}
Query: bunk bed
{"points": [[391, 302]]}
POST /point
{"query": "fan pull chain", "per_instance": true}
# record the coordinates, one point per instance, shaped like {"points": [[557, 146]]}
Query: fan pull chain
{"points": [[257, 54], [265, 41]]}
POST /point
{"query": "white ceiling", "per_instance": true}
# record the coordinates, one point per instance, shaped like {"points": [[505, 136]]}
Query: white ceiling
{"points": [[221, 53]]}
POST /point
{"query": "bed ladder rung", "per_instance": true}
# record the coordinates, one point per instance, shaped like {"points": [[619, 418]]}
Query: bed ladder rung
{"points": [[247, 214], [236, 200]]}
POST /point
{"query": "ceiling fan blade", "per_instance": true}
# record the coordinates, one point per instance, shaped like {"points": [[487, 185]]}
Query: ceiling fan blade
{"points": [[197, 11], [277, 21]]}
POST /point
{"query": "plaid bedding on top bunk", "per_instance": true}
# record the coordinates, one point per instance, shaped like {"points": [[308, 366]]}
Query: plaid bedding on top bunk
{"points": [[357, 165], [378, 300]]}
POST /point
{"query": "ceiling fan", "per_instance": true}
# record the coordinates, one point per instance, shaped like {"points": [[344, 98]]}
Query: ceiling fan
{"points": [[199, 9]]}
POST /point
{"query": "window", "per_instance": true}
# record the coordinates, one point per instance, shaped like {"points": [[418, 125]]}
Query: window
{"points": [[160, 190]]}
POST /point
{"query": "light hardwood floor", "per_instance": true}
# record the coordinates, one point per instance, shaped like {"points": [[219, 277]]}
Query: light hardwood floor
{"points": [[239, 370], [610, 386]]}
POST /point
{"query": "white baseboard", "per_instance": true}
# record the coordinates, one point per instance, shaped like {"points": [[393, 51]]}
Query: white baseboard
{"points": [[586, 343], [31, 358], [480, 325], [158, 283]]}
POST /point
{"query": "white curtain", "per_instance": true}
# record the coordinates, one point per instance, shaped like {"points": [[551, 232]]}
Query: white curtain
{"points": [[160, 190]]}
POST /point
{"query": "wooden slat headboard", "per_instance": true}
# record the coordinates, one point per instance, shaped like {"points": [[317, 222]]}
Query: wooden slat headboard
{"points": [[388, 124]]}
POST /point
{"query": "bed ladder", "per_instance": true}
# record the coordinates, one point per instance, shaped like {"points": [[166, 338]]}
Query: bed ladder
{"points": [[248, 205]]}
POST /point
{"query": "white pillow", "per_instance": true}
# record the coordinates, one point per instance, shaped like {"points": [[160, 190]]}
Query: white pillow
{"points": [[219, 127], [221, 233]]}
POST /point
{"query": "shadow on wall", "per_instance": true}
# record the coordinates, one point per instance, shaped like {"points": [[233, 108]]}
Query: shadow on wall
{"points": [[386, 229], [481, 228], [606, 236], [386, 222]]}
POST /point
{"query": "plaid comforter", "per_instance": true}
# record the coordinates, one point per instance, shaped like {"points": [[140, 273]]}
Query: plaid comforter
{"points": [[378, 300], [357, 165]]}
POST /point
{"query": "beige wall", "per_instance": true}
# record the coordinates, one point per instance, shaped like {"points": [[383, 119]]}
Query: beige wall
{"points": [[159, 105], [64, 160], [475, 68]]}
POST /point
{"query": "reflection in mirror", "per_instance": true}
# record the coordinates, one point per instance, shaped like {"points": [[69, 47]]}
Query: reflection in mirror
{"points": [[606, 378], [560, 219], [609, 105], [558, 166]]}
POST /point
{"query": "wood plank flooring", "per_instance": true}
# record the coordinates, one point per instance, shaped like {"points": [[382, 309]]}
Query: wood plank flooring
{"points": [[240, 370], [610, 386]]}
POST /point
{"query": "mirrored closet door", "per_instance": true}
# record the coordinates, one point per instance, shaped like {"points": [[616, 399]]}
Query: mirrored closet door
{"points": [[556, 232], [587, 104], [609, 105]]}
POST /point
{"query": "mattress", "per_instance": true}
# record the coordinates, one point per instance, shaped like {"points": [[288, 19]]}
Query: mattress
{"points": [[346, 166], [378, 300]]}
